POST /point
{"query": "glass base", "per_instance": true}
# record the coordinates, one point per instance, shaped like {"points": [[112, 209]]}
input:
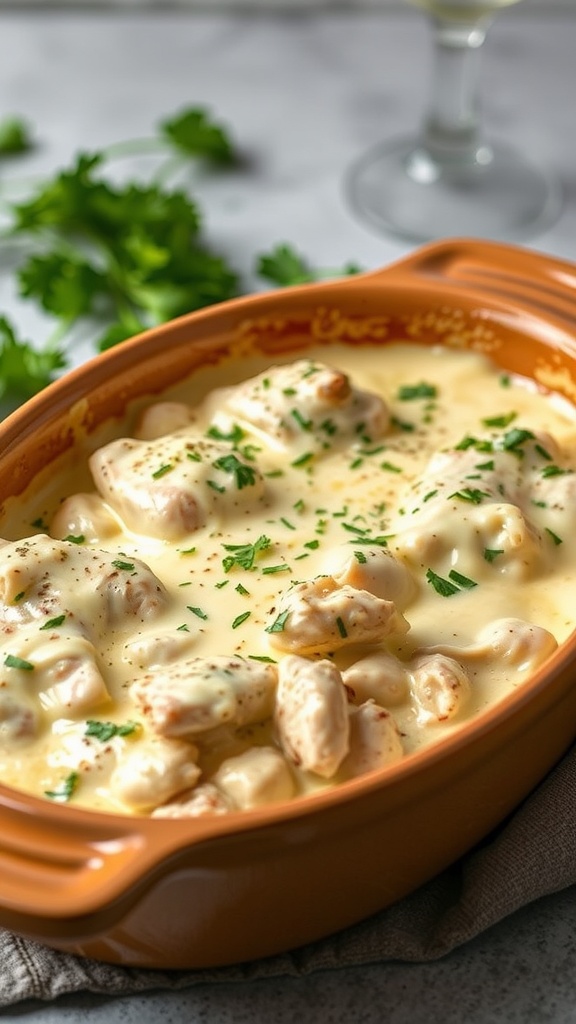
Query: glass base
{"points": [[399, 188]]}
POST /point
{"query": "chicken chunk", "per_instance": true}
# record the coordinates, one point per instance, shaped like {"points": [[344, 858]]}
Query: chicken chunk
{"points": [[19, 716], [375, 740], [190, 697], [522, 644], [311, 715], [375, 570], [68, 676], [303, 405], [86, 516], [168, 487], [202, 802], [440, 687], [164, 418], [150, 650], [47, 581], [379, 676], [256, 777], [319, 616], [153, 771]]}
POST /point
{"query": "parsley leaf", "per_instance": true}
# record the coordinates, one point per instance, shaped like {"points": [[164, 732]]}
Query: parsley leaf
{"points": [[193, 132], [285, 266], [14, 136], [244, 555]]}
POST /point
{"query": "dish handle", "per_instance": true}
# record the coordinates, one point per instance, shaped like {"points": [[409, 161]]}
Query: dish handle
{"points": [[61, 871], [542, 284]]}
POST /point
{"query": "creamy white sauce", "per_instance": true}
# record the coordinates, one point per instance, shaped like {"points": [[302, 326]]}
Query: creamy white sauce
{"points": [[234, 530]]}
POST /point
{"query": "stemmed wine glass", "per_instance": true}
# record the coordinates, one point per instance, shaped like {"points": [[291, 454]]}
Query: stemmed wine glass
{"points": [[450, 179]]}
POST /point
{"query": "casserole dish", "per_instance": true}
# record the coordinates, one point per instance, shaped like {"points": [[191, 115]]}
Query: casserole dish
{"points": [[203, 892]]}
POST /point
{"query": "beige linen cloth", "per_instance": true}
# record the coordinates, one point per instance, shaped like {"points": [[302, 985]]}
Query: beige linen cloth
{"points": [[531, 855]]}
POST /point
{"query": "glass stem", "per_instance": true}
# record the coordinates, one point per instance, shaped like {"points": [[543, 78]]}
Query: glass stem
{"points": [[451, 130]]}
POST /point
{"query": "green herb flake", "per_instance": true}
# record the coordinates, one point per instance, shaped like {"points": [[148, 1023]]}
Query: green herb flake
{"points": [[312, 545], [118, 563], [360, 557], [105, 731], [500, 421], [183, 628], [462, 581], [75, 539], [268, 570], [550, 471], [441, 585], [491, 554], [65, 790], [244, 555], [19, 597], [341, 627], [262, 657], [162, 470], [187, 551], [234, 435], [410, 392], [54, 623], [216, 487], [244, 476], [197, 611], [543, 452], [302, 422], [429, 495], [554, 536], [12, 661], [279, 623], [403, 425], [240, 619], [390, 467], [302, 460], [471, 494], [514, 439]]}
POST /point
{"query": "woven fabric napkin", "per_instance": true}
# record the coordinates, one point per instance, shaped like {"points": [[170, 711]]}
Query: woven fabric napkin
{"points": [[533, 854]]}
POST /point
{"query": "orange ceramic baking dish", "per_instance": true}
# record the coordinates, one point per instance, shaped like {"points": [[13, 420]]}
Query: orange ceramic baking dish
{"points": [[203, 892]]}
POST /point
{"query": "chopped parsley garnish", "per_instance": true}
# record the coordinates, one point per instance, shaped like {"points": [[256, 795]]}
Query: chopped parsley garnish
{"points": [[18, 597], [360, 557], [126, 566], [13, 661], [341, 627], [162, 470], [216, 487], [500, 421], [549, 471], [286, 522], [196, 611], [302, 422], [187, 551], [244, 476], [262, 657], [312, 545], [409, 392], [554, 536], [542, 451], [441, 585], [234, 435], [183, 628], [240, 589], [269, 569], [240, 619], [429, 495], [490, 554], [471, 494], [302, 460], [105, 731], [193, 456], [65, 790], [390, 467], [514, 439], [453, 585], [75, 539], [403, 425], [244, 555], [54, 623], [462, 581], [279, 622]]}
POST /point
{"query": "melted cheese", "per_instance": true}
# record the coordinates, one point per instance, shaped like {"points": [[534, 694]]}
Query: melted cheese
{"points": [[287, 583]]}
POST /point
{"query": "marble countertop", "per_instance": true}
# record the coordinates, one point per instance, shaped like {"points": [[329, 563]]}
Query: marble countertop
{"points": [[305, 94]]}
